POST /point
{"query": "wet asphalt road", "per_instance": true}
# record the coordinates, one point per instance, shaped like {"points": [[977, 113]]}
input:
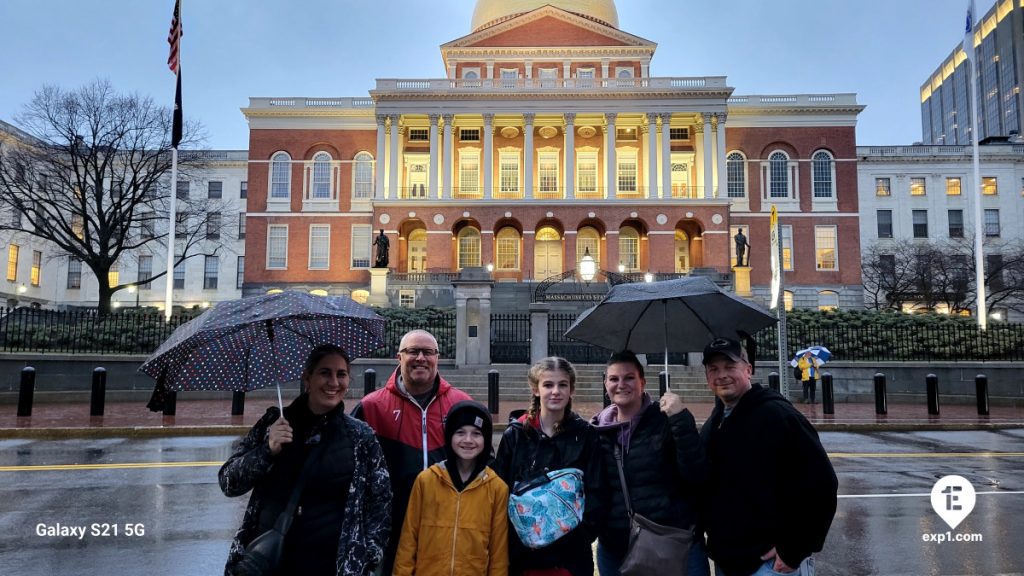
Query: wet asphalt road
{"points": [[186, 523]]}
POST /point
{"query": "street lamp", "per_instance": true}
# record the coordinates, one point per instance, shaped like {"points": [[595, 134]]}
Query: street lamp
{"points": [[648, 277], [134, 290], [622, 267], [588, 268]]}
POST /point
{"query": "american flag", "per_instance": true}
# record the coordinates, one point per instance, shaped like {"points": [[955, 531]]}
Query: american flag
{"points": [[969, 31], [174, 37]]}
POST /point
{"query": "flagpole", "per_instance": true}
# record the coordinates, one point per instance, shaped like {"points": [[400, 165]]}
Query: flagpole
{"points": [[979, 238], [168, 296], [174, 60]]}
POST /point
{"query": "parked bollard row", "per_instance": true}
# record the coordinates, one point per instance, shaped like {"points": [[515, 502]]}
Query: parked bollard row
{"points": [[492, 391], [98, 399], [828, 398], [26, 390], [981, 389], [931, 384], [881, 407]]}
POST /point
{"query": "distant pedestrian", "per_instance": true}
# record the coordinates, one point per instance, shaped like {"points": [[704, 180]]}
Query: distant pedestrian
{"points": [[810, 367]]}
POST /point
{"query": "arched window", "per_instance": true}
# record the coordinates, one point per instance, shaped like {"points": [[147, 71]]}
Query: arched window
{"points": [[629, 248], [823, 171], [362, 176], [587, 239], [321, 176], [778, 178], [736, 171], [507, 241], [828, 300], [469, 248], [280, 176], [417, 250]]}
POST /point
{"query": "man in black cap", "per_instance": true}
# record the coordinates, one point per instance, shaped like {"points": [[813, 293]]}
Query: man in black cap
{"points": [[772, 493]]}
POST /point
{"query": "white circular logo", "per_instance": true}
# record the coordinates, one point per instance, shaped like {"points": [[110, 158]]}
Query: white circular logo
{"points": [[438, 219], [384, 218]]}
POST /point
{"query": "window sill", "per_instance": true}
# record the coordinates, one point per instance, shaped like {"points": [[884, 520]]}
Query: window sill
{"points": [[330, 205], [279, 205], [824, 205]]}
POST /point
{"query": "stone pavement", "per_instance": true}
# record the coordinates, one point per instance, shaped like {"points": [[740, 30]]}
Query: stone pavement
{"points": [[209, 417]]}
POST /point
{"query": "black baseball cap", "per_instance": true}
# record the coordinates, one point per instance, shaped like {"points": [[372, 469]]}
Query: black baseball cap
{"points": [[724, 347]]}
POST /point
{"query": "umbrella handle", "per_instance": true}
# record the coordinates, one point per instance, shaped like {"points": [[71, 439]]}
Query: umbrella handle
{"points": [[280, 404]]}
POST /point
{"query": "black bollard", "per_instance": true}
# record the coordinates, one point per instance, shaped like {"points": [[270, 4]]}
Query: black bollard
{"points": [[880, 405], [99, 391], [26, 391], [981, 385], [369, 381], [828, 398], [773, 381], [492, 391], [931, 383], [663, 380], [604, 393], [171, 404], [238, 402]]}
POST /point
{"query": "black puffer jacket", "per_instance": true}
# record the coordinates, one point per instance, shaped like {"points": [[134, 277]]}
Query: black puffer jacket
{"points": [[524, 454], [664, 467]]}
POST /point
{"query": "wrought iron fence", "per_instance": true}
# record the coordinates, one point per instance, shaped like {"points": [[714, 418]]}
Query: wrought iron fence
{"points": [[510, 338], [949, 342], [572, 350], [85, 331], [441, 325]]}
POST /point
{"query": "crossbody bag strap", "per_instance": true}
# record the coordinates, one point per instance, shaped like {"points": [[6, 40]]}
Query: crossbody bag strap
{"points": [[284, 521], [622, 479]]}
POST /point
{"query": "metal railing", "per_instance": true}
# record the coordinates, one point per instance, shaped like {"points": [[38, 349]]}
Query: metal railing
{"points": [[441, 325], [85, 331], [510, 338]]}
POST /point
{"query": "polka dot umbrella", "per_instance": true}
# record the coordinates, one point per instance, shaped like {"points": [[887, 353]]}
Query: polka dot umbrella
{"points": [[252, 343]]}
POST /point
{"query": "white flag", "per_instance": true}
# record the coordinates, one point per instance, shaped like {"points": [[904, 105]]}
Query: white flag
{"points": [[969, 31]]}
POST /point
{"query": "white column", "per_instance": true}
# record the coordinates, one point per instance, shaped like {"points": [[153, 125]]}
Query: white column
{"points": [[448, 156], [643, 171], [698, 154], [604, 73], [709, 190], [379, 164], [611, 164], [720, 154], [488, 156], [666, 156], [652, 156], [570, 156], [393, 160], [433, 193], [714, 159], [528, 154], [490, 74], [566, 72]]}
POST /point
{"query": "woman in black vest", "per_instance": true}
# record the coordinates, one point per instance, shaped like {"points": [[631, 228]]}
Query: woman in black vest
{"points": [[343, 517]]}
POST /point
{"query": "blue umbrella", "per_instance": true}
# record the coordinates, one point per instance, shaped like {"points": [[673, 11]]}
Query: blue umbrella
{"points": [[820, 352], [261, 341]]}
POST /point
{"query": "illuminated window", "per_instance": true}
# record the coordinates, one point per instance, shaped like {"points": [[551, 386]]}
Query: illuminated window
{"points": [[547, 173], [12, 262], [37, 265], [629, 248], [828, 300], [627, 168], [825, 248], [508, 172], [469, 247], [280, 176], [586, 173], [787, 299], [587, 239], [469, 172], [114, 274], [786, 238], [78, 226], [883, 187], [953, 186], [508, 249], [918, 187], [989, 186]]}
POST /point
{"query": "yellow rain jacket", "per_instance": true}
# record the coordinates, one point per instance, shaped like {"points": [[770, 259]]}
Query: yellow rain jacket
{"points": [[452, 533]]}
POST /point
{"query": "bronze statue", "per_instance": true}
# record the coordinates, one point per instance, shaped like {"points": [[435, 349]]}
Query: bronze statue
{"points": [[741, 248], [382, 244]]}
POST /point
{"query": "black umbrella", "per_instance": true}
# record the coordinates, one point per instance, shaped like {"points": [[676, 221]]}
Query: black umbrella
{"points": [[681, 315]]}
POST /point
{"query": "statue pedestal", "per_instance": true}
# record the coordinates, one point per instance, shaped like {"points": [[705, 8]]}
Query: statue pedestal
{"points": [[741, 281], [378, 287]]}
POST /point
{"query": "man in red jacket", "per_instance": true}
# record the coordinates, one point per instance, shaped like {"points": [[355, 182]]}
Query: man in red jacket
{"points": [[408, 417]]}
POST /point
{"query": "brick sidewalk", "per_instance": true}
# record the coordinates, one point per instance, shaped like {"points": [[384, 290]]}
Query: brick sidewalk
{"points": [[214, 417]]}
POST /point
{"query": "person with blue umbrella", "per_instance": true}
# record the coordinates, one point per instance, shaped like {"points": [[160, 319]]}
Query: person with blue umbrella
{"points": [[810, 366]]}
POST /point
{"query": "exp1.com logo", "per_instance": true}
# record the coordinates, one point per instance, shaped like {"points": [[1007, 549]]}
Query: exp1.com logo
{"points": [[953, 499]]}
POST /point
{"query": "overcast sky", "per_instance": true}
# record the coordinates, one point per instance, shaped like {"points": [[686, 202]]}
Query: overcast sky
{"points": [[882, 50]]}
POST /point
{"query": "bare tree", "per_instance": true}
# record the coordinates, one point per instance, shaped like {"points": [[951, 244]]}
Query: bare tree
{"points": [[93, 178]]}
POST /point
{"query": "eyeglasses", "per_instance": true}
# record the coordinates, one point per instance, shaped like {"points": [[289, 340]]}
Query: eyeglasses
{"points": [[414, 352]]}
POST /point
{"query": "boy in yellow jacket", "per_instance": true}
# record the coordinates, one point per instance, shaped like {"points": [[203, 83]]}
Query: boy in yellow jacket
{"points": [[457, 520]]}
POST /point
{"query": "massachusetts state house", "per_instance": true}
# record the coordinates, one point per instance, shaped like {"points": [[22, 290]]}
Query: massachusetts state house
{"points": [[550, 138]]}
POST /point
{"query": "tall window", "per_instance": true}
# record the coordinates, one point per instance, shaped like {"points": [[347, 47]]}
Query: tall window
{"points": [[241, 225], [240, 272], [956, 223], [508, 172], [74, 274], [586, 173], [823, 167], [78, 226], [736, 172], [994, 269], [918, 186], [179, 276], [213, 226], [787, 299], [469, 247], [588, 240], [629, 248], [508, 249], [953, 186], [243, 190], [214, 190], [321, 176], [210, 270], [989, 186], [362, 176], [277, 246], [920, 220], [627, 171], [547, 170], [778, 166], [37, 266], [114, 274], [992, 222], [181, 192], [280, 176], [786, 238], [884, 218], [319, 246], [12, 262], [145, 272], [883, 187], [469, 172], [362, 243], [825, 248]]}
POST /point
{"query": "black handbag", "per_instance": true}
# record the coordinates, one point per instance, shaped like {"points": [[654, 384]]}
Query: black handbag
{"points": [[263, 555], [652, 546]]}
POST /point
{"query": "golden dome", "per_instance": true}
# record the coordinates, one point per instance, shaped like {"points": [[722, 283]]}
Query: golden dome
{"points": [[488, 12]]}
